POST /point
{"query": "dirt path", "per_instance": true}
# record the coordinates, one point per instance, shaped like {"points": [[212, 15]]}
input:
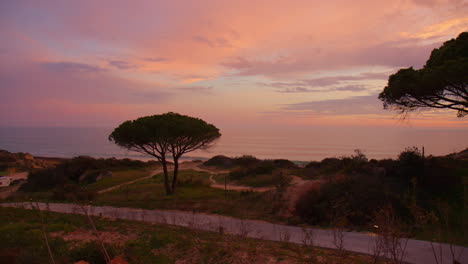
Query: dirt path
{"points": [[417, 251], [152, 173], [197, 167], [214, 184], [298, 185]]}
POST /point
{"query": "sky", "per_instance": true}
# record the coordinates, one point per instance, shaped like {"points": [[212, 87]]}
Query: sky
{"points": [[240, 63]]}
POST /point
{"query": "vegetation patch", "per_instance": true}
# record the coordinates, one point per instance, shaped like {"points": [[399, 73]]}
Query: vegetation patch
{"points": [[75, 179], [187, 178], [426, 194], [193, 194], [119, 177], [142, 243]]}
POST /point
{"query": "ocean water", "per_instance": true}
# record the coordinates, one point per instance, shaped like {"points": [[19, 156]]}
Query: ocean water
{"points": [[298, 145]]}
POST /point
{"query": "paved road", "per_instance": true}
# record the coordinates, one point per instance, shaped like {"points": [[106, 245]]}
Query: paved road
{"points": [[417, 251]]}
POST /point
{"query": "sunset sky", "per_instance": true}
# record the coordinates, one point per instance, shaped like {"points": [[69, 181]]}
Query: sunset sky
{"points": [[232, 63]]}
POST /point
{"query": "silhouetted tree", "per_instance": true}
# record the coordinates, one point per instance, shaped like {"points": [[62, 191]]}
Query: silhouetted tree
{"points": [[162, 135], [441, 83]]}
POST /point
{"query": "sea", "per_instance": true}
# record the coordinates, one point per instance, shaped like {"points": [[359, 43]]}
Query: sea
{"points": [[299, 144]]}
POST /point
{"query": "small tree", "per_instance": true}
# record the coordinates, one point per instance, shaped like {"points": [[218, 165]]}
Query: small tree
{"points": [[441, 83], [160, 136]]}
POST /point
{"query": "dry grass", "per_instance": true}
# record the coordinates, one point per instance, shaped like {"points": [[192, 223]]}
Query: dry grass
{"points": [[142, 243]]}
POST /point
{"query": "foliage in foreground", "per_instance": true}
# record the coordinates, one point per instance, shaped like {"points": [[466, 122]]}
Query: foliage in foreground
{"points": [[413, 185], [441, 84], [143, 243]]}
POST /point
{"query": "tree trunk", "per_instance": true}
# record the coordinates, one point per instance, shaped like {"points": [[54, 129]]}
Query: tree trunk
{"points": [[166, 176], [176, 171]]}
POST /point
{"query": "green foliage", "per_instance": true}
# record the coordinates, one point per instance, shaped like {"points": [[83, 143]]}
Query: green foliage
{"points": [[441, 83], [167, 134], [45, 179], [69, 172], [149, 194], [246, 161], [354, 198], [118, 177], [160, 244], [366, 186], [265, 167], [188, 178], [284, 163], [276, 179], [355, 164], [220, 161], [266, 173], [24, 241], [73, 193], [140, 252], [158, 132], [90, 252]]}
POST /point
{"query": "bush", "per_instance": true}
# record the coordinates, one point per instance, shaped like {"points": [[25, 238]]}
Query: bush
{"points": [[220, 161], [411, 181], [193, 181], [261, 168], [90, 252], [284, 164], [326, 166], [71, 170], [238, 174], [45, 179], [354, 198], [72, 192], [246, 161]]}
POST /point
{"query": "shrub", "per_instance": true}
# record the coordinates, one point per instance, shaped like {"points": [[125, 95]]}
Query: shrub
{"points": [[220, 161], [72, 192], [45, 179], [246, 161], [193, 181], [238, 174], [265, 167], [284, 164], [71, 170], [261, 168], [313, 164], [90, 252], [353, 198]]}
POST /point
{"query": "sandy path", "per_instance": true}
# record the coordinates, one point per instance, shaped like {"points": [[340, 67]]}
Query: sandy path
{"points": [[417, 251], [298, 185], [152, 173], [214, 184]]}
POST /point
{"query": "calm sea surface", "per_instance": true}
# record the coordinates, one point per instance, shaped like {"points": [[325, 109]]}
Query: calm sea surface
{"points": [[298, 145]]}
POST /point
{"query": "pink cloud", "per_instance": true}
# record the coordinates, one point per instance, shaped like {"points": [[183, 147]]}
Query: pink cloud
{"points": [[128, 54]]}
